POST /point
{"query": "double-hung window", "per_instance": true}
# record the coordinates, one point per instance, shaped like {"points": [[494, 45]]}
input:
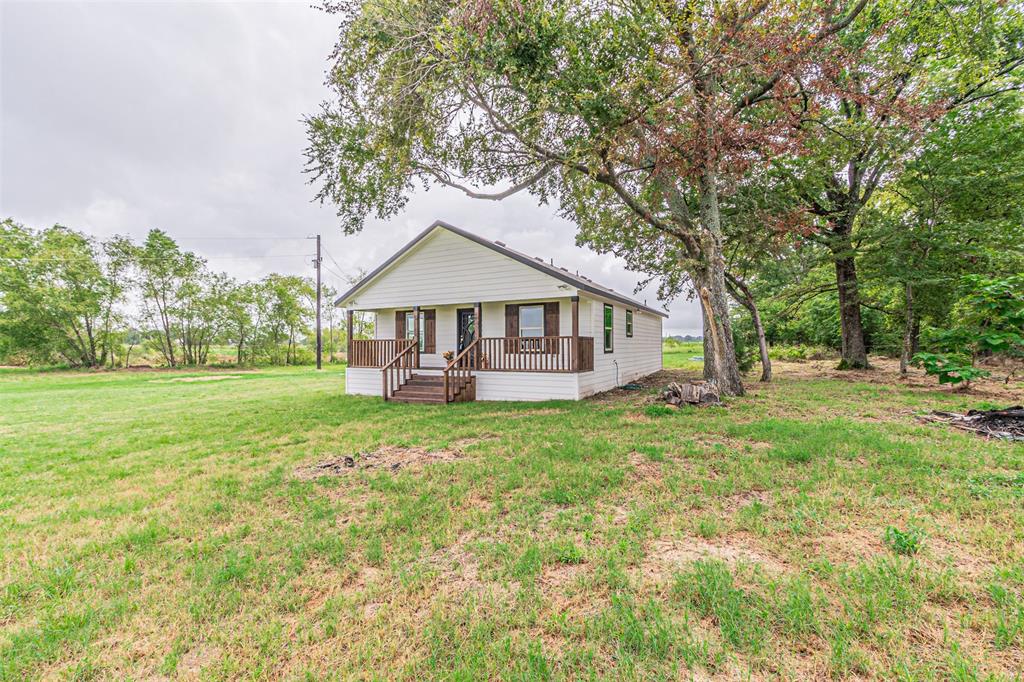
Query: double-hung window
{"points": [[609, 328], [531, 325], [629, 324]]}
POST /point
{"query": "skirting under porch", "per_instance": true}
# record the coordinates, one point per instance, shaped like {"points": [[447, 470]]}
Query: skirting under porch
{"points": [[489, 385]]}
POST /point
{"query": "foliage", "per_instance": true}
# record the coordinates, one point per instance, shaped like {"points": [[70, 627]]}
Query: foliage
{"points": [[906, 542], [65, 298], [58, 290], [950, 369]]}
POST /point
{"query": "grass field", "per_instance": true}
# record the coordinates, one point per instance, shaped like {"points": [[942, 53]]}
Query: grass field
{"points": [[167, 524]]}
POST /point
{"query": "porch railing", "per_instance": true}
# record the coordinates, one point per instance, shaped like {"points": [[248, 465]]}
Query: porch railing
{"points": [[458, 375], [399, 369], [494, 353], [376, 352]]}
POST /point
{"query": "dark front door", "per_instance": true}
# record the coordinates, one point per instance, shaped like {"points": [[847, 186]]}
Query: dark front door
{"points": [[466, 330]]}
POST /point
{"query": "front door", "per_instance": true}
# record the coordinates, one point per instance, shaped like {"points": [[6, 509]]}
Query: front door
{"points": [[466, 327]]}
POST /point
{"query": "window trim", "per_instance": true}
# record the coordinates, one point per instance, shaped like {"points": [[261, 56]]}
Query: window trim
{"points": [[608, 328], [629, 323]]}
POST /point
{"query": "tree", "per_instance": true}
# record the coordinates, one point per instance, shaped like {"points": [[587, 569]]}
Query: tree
{"points": [[938, 222], [58, 289], [907, 66], [633, 115]]}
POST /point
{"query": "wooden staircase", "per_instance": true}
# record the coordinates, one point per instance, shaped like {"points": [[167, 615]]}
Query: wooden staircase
{"points": [[425, 388]]}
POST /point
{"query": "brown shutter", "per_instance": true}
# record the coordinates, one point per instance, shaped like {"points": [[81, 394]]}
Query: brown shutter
{"points": [[551, 319], [511, 325], [429, 327], [399, 324], [551, 326]]}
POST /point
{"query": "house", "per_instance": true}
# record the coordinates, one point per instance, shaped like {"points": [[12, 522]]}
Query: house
{"points": [[518, 328]]}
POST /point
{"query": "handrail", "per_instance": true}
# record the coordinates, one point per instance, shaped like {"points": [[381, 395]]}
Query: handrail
{"points": [[399, 367], [462, 372]]}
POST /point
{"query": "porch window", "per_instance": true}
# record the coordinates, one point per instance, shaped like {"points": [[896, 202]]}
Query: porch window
{"points": [[609, 336], [410, 327], [629, 324], [531, 320]]}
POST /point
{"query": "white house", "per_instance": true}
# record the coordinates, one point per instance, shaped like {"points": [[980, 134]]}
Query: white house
{"points": [[517, 328]]}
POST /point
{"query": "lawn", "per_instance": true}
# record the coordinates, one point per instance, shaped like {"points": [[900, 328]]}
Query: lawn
{"points": [[171, 524]]}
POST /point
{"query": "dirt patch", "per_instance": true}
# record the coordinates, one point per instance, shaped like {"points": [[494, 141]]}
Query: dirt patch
{"points": [[745, 499], [557, 576], [886, 371], [643, 467], [192, 662], [671, 555], [389, 457], [475, 440]]}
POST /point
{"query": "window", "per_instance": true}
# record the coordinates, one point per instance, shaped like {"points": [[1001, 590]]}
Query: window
{"points": [[629, 324], [531, 320], [609, 336], [410, 327]]}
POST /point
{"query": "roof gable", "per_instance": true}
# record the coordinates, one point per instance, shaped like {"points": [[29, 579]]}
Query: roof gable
{"points": [[536, 280]]}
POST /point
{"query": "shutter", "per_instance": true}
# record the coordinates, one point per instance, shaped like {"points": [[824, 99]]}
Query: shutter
{"points": [[399, 324], [551, 326], [429, 326], [551, 319], [511, 325]]}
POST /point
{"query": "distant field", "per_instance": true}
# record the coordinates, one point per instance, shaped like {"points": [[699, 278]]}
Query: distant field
{"points": [[176, 524]]}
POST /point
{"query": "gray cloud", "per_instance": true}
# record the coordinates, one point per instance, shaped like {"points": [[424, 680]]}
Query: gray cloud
{"points": [[119, 117]]}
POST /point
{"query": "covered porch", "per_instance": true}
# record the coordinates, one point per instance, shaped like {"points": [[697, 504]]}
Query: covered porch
{"points": [[450, 344]]}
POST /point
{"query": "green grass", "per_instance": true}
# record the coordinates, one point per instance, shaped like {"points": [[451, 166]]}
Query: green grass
{"points": [[156, 527]]}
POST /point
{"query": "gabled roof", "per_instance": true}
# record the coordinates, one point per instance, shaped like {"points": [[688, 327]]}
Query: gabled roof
{"points": [[578, 281]]}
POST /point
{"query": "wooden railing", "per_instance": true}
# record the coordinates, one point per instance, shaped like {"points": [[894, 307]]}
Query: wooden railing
{"points": [[536, 354], [492, 353], [399, 369], [459, 372], [376, 352]]}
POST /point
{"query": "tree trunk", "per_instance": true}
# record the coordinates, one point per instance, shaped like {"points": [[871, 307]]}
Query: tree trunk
{"points": [[908, 328], [741, 292], [854, 350], [719, 355]]}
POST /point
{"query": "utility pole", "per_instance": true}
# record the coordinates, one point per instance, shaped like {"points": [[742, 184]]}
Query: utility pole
{"points": [[319, 340]]}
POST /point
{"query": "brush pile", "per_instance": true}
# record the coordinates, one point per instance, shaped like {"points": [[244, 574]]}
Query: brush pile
{"points": [[1007, 424], [691, 393]]}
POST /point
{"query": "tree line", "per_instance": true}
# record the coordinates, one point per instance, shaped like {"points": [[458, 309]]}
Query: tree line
{"points": [[67, 298], [839, 173]]}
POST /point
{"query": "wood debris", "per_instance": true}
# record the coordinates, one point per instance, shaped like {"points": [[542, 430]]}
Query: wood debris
{"points": [[692, 393], [1007, 424]]}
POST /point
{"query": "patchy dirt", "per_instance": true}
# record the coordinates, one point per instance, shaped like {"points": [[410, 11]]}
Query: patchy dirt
{"points": [[644, 468], [668, 556], [390, 457], [745, 499], [192, 662], [886, 371], [643, 394]]}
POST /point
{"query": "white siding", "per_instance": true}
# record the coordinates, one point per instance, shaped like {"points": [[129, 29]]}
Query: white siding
{"points": [[362, 381], [446, 268], [636, 357], [525, 386]]}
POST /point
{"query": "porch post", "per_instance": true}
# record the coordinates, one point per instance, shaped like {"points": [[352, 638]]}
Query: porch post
{"points": [[416, 333], [348, 343], [574, 360]]}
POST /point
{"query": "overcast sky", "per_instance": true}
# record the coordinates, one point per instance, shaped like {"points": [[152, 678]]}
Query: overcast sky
{"points": [[124, 116]]}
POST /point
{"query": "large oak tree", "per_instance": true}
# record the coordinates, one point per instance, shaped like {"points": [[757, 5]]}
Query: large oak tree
{"points": [[634, 115]]}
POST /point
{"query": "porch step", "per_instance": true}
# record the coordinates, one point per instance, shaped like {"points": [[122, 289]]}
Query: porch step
{"points": [[422, 388]]}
